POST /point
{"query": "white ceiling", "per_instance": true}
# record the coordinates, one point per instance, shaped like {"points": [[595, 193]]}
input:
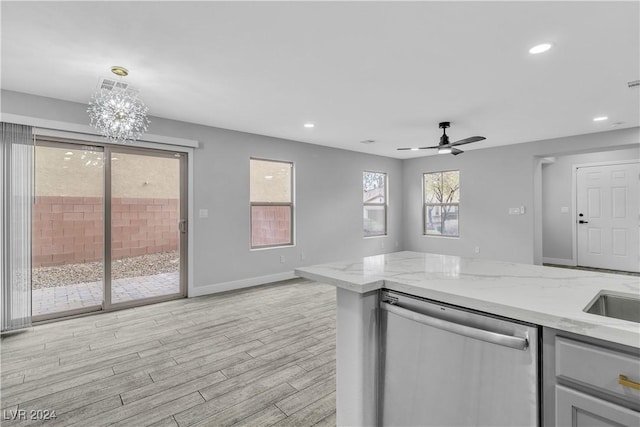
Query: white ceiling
{"points": [[387, 71]]}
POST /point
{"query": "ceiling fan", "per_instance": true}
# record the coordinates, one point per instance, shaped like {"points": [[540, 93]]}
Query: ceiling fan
{"points": [[446, 147]]}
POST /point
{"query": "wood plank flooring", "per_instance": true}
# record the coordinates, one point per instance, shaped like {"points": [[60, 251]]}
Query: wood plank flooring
{"points": [[261, 356]]}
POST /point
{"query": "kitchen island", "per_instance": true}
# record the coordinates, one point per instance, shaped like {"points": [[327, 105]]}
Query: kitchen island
{"points": [[549, 297]]}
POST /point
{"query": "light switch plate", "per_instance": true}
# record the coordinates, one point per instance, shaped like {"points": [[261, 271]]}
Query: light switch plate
{"points": [[203, 213]]}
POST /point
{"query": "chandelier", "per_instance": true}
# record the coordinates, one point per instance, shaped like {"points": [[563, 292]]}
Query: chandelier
{"points": [[117, 112]]}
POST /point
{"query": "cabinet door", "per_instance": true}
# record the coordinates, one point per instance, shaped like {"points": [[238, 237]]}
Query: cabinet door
{"points": [[576, 409]]}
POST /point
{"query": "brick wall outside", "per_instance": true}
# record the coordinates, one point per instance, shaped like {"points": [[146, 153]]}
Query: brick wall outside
{"points": [[270, 225], [70, 230]]}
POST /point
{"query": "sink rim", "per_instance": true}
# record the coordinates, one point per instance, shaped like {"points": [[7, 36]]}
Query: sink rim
{"points": [[603, 294]]}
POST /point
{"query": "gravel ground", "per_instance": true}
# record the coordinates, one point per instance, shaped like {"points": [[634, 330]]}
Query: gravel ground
{"points": [[144, 265]]}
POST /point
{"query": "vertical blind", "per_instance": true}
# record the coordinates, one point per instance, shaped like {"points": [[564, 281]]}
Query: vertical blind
{"points": [[16, 159]]}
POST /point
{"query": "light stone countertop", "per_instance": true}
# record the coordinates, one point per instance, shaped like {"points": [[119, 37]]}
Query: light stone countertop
{"points": [[546, 296]]}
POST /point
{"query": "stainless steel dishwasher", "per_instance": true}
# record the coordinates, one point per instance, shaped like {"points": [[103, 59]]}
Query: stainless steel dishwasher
{"points": [[446, 366]]}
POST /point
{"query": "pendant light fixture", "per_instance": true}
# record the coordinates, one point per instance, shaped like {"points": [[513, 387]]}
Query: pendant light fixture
{"points": [[116, 111]]}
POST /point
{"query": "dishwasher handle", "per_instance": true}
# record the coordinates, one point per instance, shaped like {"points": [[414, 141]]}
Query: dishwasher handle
{"points": [[518, 343]]}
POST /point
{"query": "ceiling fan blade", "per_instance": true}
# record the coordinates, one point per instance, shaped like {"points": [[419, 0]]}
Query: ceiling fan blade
{"points": [[468, 140], [455, 151], [419, 148]]}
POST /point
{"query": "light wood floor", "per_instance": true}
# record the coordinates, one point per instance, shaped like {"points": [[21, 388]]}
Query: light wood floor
{"points": [[256, 357]]}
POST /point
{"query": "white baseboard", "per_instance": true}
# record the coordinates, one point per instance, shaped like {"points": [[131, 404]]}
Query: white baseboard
{"points": [[559, 261], [239, 284]]}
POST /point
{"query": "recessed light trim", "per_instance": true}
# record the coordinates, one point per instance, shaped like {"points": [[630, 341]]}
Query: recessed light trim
{"points": [[119, 71], [309, 125], [600, 118], [540, 48]]}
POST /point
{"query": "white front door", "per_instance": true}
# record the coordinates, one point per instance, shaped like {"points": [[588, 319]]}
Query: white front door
{"points": [[608, 216]]}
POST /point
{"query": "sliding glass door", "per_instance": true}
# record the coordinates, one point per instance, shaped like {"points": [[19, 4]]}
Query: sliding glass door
{"points": [[67, 243], [109, 228], [145, 209]]}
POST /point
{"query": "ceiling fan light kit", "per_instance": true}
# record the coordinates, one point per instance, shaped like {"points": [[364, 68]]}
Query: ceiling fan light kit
{"points": [[446, 147]]}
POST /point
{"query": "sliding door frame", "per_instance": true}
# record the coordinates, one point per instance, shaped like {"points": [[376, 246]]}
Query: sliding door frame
{"points": [[182, 241], [107, 150]]}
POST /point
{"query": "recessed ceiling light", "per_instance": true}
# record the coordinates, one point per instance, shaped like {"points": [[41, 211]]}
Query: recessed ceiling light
{"points": [[268, 177], [540, 48], [119, 71], [309, 125], [600, 119], [69, 153]]}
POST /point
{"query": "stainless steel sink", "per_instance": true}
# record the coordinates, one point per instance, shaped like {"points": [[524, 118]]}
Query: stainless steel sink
{"points": [[620, 306]]}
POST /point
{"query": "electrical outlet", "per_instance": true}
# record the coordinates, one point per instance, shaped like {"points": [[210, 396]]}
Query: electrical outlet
{"points": [[282, 259], [301, 256], [381, 245], [203, 213], [477, 249]]}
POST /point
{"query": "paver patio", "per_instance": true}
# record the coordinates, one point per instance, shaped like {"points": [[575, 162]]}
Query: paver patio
{"points": [[79, 295]]}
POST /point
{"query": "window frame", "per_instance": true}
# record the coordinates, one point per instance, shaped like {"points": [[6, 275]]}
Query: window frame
{"points": [[425, 205], [257, 204], [385, 205]]}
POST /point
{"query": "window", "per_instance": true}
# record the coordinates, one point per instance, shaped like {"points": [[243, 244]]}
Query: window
{"points": [[374, 198], [441, 203], [271, 185]]}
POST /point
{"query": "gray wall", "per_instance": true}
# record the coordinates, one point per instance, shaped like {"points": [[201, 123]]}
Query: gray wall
{"points": [[557, 237], [328, 195], [493, 180]]}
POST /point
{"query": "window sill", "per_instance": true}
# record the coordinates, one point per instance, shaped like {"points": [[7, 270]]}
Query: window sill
{"points": [[377, 236], [272, 247]]}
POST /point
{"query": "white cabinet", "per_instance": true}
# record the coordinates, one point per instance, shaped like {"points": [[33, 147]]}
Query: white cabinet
{"points": [[588, 386], [576, 409]]}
